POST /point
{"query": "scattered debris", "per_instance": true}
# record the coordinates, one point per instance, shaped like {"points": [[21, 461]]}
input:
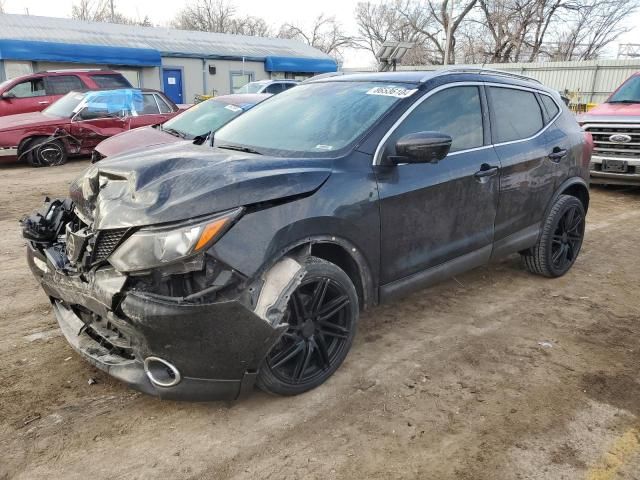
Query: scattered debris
{"points": [[33, 418], [545, 344], [91, 381]]}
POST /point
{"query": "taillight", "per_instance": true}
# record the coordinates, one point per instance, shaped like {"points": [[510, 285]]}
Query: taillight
{"points": [[588, 149]]}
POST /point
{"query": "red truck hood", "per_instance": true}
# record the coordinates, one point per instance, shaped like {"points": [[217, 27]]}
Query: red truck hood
{"points": [[12, 122], [612, 113], [133, 139]]}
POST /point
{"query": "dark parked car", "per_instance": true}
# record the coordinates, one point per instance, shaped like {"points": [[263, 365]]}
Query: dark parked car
{"points": [[193, 125], [36, 91], [77, 122], [192, 273]]}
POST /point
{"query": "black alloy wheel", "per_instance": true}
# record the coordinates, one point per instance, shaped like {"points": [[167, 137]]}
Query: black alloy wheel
{"points": [[321, 313], [567, 238], [560, 240]]}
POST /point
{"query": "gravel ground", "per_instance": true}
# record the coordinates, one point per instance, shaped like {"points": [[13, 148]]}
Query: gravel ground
{"points": [[494, 375]]}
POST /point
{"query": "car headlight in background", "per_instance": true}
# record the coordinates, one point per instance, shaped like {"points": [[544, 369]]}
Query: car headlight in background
{"points": [[153, 247]]}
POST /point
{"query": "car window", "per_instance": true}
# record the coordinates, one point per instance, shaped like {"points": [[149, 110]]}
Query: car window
{"points": [[149, 105], [274, 88], [63, 84], [516, 114], [550, 106], [455, 111], [29, 88], [110, 80], [164, 106], [315, 119], [203, 118], [287, 86]]}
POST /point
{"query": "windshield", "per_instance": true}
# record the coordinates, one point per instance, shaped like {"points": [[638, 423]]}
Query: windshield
{"points": [[203, 118], [252, 87], [312, 119], [66, 106], [629, 92]]}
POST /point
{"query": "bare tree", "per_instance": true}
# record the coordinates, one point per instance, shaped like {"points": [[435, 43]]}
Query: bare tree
{"points": [[378, 23], [592, 26], [219, 16], [326, 34], [104, 11], [1, 6]]}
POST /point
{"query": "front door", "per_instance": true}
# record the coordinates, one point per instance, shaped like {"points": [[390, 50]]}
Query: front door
{"points": [[435, 212], [172, 84]]}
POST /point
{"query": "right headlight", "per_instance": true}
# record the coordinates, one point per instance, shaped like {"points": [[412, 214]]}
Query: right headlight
{"points": [[153, 247]]}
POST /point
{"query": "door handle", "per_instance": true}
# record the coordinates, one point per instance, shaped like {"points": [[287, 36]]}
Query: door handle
{"points": [[557, 154], [44, 103], [486, 171]]}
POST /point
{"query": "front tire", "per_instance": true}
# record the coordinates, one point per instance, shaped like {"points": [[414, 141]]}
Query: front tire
{"points": [[322, 313], [46, 153], [560, 241]]}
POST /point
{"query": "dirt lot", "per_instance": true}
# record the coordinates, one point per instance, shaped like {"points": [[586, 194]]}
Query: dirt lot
{"points": [[495, 375]]}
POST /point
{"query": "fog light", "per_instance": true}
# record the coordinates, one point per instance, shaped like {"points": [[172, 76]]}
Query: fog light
{"points": [[161, 372]]}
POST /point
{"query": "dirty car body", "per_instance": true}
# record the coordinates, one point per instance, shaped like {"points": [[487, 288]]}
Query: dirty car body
{"points": [[192, 272], [77, 122]]}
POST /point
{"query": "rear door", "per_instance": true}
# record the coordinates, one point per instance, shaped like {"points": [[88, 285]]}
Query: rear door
{"points": [[59, 85], [435, 212], [523, 145], [149, 114]]}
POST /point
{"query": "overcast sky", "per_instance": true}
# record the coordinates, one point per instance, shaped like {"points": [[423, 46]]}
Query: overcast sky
{"points": [[275, 12]]}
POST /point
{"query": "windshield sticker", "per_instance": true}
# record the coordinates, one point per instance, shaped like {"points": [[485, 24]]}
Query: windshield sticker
{"points": [[233, 108], [324, 147], [398, 92]]}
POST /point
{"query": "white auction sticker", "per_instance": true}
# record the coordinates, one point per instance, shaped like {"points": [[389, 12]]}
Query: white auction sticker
{"points": [[399, 92], [233, 108]]}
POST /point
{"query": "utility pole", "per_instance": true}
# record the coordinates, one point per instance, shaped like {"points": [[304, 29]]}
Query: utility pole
{"points": [[449, 41], [113, 15]]}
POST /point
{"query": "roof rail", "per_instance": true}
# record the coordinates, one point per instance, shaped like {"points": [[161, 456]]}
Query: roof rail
{"points": [[481, 71], [64, 70]]}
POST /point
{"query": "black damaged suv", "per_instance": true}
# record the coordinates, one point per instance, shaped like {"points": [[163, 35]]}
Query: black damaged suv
{"points": [[194, 272]]}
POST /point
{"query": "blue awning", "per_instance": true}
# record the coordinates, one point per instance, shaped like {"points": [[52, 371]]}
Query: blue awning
{"points": [[300, 65], [74, 53]]}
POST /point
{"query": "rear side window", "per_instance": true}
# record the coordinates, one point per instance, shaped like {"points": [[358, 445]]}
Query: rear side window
{"points": [[516, 114], [29, 88], [110, 80], [550, 106], [455, 111], [274, 88], [164, 106], [287, 86], [63, 84]]}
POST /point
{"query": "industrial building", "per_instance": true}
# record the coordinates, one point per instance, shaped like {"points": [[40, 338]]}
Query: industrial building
{"points": [[180, 63]]}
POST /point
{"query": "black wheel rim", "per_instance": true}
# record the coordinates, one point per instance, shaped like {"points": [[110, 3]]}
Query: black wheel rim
{"points": [[50, 154], [567, 238], [320, 323]]}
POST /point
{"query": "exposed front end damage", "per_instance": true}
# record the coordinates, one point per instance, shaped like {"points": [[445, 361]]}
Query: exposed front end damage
{"points": [[193, 330]]}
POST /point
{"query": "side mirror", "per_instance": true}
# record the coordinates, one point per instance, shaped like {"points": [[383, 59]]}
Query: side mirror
{"points": [[422, 147], [7, 95]]}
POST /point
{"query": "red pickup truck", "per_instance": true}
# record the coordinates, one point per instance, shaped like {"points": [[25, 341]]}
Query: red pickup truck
{"points": [[615, 128], [77, 122]]}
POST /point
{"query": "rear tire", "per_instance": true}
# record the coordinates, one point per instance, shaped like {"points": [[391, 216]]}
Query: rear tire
{"points": [[560, 241], [322, 314], [46, 153]]}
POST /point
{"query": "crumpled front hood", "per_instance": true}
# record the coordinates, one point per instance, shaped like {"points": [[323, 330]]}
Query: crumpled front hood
{"points": [[177, 182]]}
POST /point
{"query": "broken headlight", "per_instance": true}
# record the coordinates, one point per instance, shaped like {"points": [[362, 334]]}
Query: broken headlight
{"points": [[153, 247]]}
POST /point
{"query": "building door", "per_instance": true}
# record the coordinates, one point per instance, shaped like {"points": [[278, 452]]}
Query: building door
{"points": [[172, 84]]}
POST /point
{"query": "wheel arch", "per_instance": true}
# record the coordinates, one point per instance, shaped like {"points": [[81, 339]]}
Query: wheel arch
{"points": [[340, 252], [576, 187]]}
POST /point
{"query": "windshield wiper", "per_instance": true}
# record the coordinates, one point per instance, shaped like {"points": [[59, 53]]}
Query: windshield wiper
{"points": [[239, 149], [624, 101], [174, 132]]}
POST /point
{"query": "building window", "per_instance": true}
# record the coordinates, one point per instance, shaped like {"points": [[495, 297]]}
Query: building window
{"points": [[239, 80]]}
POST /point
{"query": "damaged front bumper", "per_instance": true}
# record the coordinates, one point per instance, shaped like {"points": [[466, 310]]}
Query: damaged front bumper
{"points": [[215, 347]]}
